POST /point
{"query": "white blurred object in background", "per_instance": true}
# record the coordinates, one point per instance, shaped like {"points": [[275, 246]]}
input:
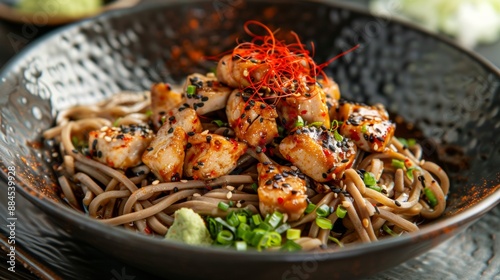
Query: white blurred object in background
{"points": [[469, 21]]}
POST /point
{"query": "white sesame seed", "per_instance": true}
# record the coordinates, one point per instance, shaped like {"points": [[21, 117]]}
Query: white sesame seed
{"points": [[346, 204], [55, 154], [107, 138], [155, 182], [196, 194], [229, 195], [294, 168], [245, 73], [184, 181], [375, 146], [205, 132], [238, 204], [231, 188], [104, 128], [101, 135]]}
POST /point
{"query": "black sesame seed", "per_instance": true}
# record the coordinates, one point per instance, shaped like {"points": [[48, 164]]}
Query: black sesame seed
{"points": [[162, 113], [188, 145], [171, 118], [293, 192], [94, 144], [170, 130], [201, 104], [225, 132], [263, 106], [181, 109], [261, 120], [196, 168], [176, 189], [286, 185], [301, 176], [75, 151], [266, 162], [99, 154], [243, 116], [248, 107], [278, 177], [149, 149], [269, 182], [191, 133], [200, 163], [249, 120], [209, 138], [345, 160], [204, 98], [397, 203], [324, 175]]}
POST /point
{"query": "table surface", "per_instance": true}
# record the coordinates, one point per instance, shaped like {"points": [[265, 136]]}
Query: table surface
{"points": [[472, 254]]}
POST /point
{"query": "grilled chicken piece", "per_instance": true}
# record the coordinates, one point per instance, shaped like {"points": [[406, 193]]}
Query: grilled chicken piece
{"points": [[283, 189], [184, 117], [210, 156], [368, 126], [317, 153], [332, 93], [311, 107], [253, 121], [237, 72], [165, 155], [209, 95], [163, 100], [120, 147]]}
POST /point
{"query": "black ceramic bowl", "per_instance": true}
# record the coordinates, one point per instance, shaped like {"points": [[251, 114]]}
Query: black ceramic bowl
{"points": [[449, 96]]}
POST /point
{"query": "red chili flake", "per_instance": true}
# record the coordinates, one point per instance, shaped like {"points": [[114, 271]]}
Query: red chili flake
{"points": [[147, 230], [354, 135], [303, 112], [280, 200]]}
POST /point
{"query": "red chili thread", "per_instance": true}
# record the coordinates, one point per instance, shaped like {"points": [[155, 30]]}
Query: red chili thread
{"points": [[289, 69]]}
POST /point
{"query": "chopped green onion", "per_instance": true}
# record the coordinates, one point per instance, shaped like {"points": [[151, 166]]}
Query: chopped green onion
{"points": [[282, 228], [336, 241], [149, 113], [431, 197], [335, 124], [213, 227], [316, 124], [232, 219], [116, 122], [223, 206], [375, 188], [291, 246], [225, 237], [324, 223], [163, 119], [411, 142], [398, 163], [274, 239], [256, 236], [323, 210], [257, 219], [191, 90], [409, 173], [255, 186], [364, 129], [219, 123], [275, 219], [369, 179], [240, 245], [337, 136], [341, 211], [388, 230], [292, 234], [266, 226], [310, 207], [230, 203], [242, 230], [242, 218], [299, 122], [225, 224]]}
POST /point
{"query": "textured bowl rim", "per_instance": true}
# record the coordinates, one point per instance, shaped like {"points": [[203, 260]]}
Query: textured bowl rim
{"points": [[464, 218]]}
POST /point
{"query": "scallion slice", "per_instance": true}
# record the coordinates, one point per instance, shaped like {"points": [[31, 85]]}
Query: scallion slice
{"points": [[324, 223], [282, 228], [431, 197], [232, 219], [292, 234], [257, 219], [388, 230], [191, 90], [274, 219], [323, 210], [223, 206], [398, 163], [369, 179], [225, 237], [240, 245], [341, 211], [310, 207], [336, 241], [291, 246]]}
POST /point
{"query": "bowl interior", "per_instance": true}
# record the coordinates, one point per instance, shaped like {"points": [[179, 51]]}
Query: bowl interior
{"points": [[448, 98]]}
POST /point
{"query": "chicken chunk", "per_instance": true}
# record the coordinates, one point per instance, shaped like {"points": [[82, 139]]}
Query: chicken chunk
{"points": [[209, 95], [165, 155], [237, 72], [120, 147], [184, 117], [317, 152], [163, 99], [253, 121], [368, 126], [209, 156], [282, 189], [311, 107]]}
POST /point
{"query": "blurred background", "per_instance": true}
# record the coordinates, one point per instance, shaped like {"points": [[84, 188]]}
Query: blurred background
{"points": [[475, 24]]}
